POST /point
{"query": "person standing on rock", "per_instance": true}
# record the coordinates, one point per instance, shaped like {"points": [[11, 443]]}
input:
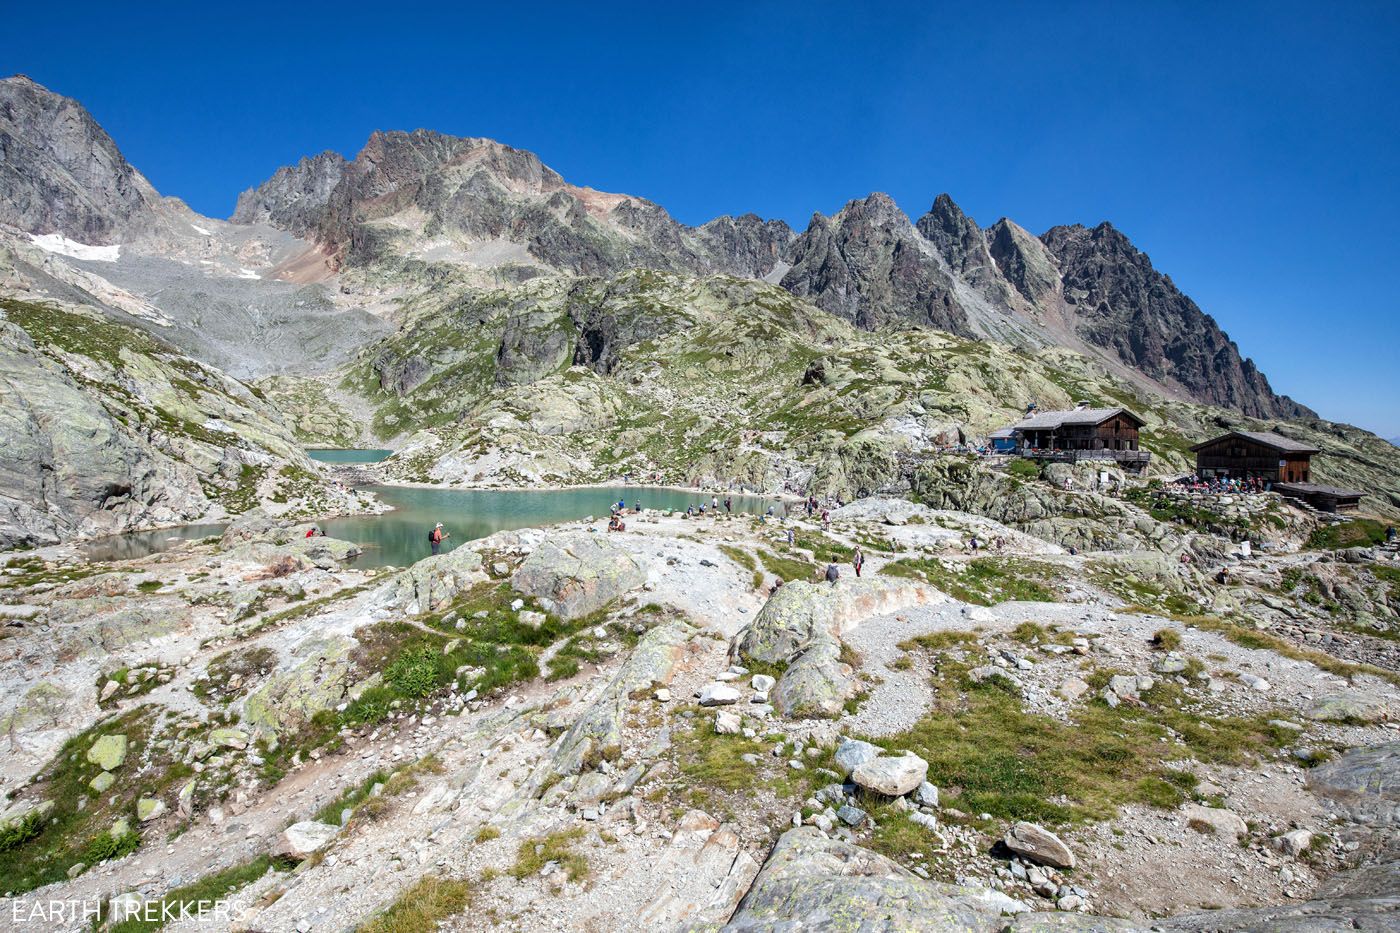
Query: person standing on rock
{"points": [[435, 538], [857, 561]]}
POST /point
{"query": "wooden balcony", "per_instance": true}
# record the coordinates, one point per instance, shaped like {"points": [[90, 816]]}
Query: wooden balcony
{"points": [[1131, 457]]}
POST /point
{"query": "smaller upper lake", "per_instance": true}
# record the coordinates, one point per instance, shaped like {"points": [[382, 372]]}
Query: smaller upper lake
{"points": [[348, 454]]}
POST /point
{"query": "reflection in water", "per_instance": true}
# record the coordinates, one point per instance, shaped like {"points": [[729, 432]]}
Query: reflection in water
{"points": [[348, 455], [144, 543], [400, 537]]}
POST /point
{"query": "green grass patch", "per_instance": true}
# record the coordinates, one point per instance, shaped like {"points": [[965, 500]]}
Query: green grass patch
{"points": [[423, 907], [190, 898], [534, 854], [1359, 532], [787, 569], [992, 756], [984, 581]]}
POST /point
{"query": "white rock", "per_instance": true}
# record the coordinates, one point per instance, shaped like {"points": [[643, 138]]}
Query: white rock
{"points": [[852, 753], [891, 776], [727, 723], [718, 694], [1215, 820], [763, 683], [1294, 843], [300, 840]]}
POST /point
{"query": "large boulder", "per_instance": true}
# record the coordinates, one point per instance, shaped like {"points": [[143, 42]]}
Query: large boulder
{"points": [[434, 582], [317, 675], [596, 736], [575, 575], [1038, 844], [1348, 708], [801, 625], [811, 882], [852, 753], [1216, 820], [108, 752], [816, 685], [1364, 784], [800, 612]]}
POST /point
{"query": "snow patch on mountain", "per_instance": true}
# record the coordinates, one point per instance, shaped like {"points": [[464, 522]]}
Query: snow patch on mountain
{"points": [[58, 243]]}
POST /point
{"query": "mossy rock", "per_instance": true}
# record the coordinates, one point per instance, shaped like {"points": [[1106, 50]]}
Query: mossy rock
{"points": [[108, 752]]}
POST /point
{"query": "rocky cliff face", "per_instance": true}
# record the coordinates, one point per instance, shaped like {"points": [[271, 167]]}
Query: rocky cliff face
{"points": [[294, 196], [107, 429], [1092, 289], [1126, 306], [61, 173], [477, 203]]}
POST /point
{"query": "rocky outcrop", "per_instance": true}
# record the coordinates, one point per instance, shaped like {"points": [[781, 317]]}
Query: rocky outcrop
{"points": [[294, 197], [1363, 784], [1124, 305], [1023, 260], [434, 582], [316, 677], [575, 575], [800, 628], [61, 173], [869, 265], [596, 736], [109, 429], [814, 882]]}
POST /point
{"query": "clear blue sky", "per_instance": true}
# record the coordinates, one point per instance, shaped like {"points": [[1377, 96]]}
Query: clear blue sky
{"points": [[1253, 150]]}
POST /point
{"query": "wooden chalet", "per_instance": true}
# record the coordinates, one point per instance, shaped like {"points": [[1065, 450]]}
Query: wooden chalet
{"points": [[1082, 433], [1255, 455]]}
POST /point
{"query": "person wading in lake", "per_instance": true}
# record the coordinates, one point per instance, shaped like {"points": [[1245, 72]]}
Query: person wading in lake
{"points": [[435, 538]]}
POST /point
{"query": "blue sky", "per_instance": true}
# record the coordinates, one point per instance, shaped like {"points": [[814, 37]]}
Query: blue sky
{"points": [[1253, 150]]}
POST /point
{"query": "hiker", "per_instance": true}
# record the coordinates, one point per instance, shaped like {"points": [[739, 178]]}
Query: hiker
{"points": [[728, 503], [857, 560], [792, 537], [311, 532], [1390, 534], [435, 538], [832, 574], [777, 585], [714, 503]]}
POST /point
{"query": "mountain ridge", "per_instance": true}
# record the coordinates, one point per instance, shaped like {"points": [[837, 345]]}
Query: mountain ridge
{"points": [[480, 208]]}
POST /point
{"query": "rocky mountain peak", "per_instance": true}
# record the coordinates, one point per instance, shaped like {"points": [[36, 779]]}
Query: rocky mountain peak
{"points": [[1125, 305], [61, 173], [294, 196]]}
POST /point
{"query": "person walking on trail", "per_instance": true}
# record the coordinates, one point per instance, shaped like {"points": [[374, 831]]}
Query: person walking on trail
{"points": [[792, 537], [857, 560], [833, 573], [435, 538], [728, 504]]}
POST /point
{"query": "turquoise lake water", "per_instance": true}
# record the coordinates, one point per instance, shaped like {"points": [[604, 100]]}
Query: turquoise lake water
{"points": [[400, 537], [347, 455]]}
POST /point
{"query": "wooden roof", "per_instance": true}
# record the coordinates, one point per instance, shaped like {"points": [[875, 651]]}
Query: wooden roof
{"points": [[1269, 439], [1315, 489], [1051, 420]]}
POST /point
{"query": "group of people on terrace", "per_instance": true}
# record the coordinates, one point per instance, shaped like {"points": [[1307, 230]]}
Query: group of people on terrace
{"points": [[1223, 485]]}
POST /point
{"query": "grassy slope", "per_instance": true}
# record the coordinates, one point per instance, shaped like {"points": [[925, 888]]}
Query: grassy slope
{"points": [[734, 374]]}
